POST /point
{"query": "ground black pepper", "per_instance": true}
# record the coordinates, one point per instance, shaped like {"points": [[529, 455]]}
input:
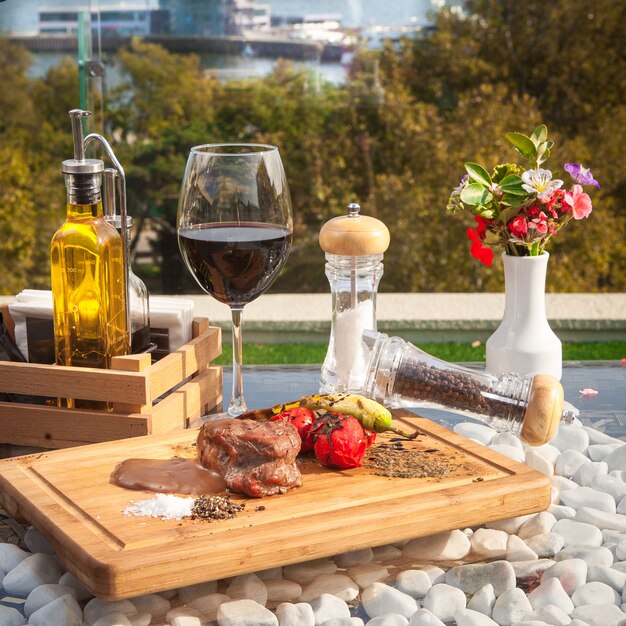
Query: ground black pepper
{"points": [[400, 462], [215, 507]]}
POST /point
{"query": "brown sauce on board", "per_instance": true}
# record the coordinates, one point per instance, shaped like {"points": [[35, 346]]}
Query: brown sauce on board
{"points": [[175, 475]]}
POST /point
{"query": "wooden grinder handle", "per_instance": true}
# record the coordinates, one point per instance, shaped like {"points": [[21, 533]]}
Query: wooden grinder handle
{"points": [[544, 410]]}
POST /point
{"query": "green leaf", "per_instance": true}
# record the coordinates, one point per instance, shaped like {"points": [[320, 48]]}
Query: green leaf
{"points": [[522, 144], [508, 214], [478, 173], [544, 156], [500, 172], [475, 195], [485, 212], [539, 135], [513, 200], [512, 184]]}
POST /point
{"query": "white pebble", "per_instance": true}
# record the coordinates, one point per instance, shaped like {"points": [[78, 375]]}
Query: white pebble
{"points": [[597, 436], [69, 580], [507, 439], [42, 595], [436, 574], [600, 451], [10, 557], [571, 573], [368, 573], [386, 553], [184, 616], [587, 472], [577, 533], [423, 617], [538, 524], [570, 437], [588, 497], [539, 462], [339, 585], [621, 506], [546, 545], [34, 570], [607, 575], [595, 593], [413, 582], [444, 601], [592, 555], [510, 525], [113, 619], [612, 536], [63, 611], [478, 432], [36, 542], [600, 519], [511, 607], [328, 607], [304, 573], [467, 617], [470, 578], [551, 591], [282, 590], [568, 462], [208, 605], [343, 621], [152, 603], [620, 550], [562, 483], [595, 615], [483, 600], [191, 592], [356, 557], [140, 619], [300, 614], [517, 550], [11, 617], [245, 613], [391, 619], [489, 543], [531, 569], [561, 511], [615, 487], [96, 608], [617, 459], [271, 573], [249, 587], [380, 598], [448, 546], [517, 454], [550, 615], [548, 452]]}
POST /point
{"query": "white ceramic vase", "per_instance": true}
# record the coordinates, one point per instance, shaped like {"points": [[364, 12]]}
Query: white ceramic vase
{"points": [[524, 343]]}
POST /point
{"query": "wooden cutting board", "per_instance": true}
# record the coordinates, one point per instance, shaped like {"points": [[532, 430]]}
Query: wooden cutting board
{"points": [[67, 495]]}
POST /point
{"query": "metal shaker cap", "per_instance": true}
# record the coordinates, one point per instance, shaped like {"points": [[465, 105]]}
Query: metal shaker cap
{"points": [[354, 234], [79, 164]]}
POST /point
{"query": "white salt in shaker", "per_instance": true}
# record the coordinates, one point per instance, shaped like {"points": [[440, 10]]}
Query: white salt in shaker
{"points": [[354, 245]]}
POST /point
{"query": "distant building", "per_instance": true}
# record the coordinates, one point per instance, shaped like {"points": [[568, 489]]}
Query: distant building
{"points": [[216, 17], [127, 20]]}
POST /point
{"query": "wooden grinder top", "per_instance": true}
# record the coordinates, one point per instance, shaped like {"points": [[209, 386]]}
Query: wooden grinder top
{"points": [[354, 234], [544, 411]]}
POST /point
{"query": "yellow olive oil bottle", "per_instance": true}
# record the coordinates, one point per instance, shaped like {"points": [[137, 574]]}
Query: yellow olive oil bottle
{"points": [[88, 272]]}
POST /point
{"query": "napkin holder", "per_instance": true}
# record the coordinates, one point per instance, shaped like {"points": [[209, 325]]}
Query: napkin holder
{"points": [[148, 398]]}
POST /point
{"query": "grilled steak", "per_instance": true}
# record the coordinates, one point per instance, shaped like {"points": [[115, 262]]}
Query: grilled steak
{"points": [[255, 458]]}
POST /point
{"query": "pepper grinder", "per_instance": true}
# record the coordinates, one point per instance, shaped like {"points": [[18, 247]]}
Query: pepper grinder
{"points": [[354, 245], [400, 374]]}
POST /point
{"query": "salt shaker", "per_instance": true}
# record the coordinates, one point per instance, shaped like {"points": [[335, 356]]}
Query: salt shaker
{"points": [[400, 374], [354, 245]]}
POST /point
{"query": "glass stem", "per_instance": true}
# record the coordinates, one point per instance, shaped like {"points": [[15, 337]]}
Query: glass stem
{"points": [[237, 404]]}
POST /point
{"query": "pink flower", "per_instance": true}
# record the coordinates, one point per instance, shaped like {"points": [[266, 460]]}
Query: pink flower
{"points": [[518, 227], [578, 201], [588, 392], [540, 223]]}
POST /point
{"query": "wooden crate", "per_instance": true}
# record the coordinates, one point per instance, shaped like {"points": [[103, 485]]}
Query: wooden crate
{"points": [[147, 398]]}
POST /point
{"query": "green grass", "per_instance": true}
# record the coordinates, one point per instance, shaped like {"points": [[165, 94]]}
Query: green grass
{"points": [[311, 353]]}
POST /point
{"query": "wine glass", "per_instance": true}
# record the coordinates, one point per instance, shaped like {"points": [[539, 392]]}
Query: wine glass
{"points": [[234, 229]]}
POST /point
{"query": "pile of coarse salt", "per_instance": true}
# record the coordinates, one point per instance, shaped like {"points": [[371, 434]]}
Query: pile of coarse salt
{"points": [[163, 506]]}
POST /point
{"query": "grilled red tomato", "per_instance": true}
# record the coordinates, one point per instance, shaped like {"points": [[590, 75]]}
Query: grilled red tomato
{"points": [[338, 440], [302, 419]]}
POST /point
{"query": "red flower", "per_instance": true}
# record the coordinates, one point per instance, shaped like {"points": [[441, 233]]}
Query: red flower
{"points": [[481, 225], [518, 227], [477, 249]]}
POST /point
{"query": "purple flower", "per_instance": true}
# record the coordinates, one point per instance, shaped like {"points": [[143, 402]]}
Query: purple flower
{"points": [[581, 174]]}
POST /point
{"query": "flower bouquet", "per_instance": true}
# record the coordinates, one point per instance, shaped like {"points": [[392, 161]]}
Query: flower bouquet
{"points": [[520, 209]]}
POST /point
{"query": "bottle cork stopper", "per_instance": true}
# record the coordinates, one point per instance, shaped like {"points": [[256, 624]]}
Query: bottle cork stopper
{"points": [[544, 411], [354, 234]]}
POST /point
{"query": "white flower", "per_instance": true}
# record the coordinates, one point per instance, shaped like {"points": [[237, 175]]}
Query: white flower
{"points": [[540, 182]]}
